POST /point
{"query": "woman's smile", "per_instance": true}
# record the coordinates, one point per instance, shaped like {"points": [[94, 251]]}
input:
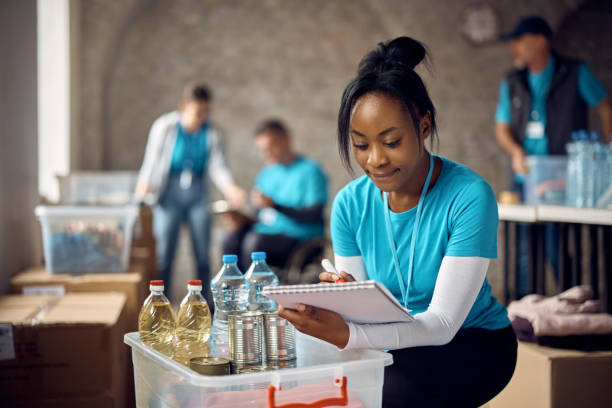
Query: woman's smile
{"points": [[382, 176]]}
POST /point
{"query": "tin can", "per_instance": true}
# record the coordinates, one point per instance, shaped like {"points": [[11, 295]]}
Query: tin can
{"points": [[280, 338], [280, 364], [253, 369], [210, 365], [245, 337]]}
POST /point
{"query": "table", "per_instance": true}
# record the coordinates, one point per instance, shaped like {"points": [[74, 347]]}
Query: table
{"points": [[582, 232]]}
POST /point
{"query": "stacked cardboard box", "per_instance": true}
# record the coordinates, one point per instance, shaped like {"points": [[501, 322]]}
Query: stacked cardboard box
{"points": [[555, 378], [39, 281], [63, 351]]}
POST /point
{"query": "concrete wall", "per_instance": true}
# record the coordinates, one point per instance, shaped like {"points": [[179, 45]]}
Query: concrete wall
{"points": [[285, 58], [291, 59], [19, 231]]}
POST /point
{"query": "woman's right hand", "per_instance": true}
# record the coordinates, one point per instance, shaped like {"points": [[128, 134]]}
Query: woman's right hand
{"points": [[330, 277]]}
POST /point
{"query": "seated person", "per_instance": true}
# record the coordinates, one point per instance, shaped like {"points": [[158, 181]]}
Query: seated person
{"points": [[290, 194]]}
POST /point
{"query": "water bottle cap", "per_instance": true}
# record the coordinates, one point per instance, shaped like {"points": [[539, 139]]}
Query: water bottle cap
{"points": [[258, 256], [230, 258]]}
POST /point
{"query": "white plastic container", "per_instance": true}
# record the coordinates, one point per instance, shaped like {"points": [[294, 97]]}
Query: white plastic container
{"points": [[80, 240], [320, 372], [545, 180], [97, 187]]}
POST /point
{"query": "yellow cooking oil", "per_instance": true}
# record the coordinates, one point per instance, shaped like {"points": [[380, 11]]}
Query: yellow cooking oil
{"points": [[156, 324], [192, 325]]}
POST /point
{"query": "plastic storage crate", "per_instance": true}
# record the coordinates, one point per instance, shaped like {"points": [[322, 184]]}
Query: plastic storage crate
{"points": [[545, 180], [80, 240], [321, 373], [97, 188]]}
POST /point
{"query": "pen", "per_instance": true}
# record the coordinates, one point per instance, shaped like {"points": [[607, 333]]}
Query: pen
{"points": [[329, 267]]}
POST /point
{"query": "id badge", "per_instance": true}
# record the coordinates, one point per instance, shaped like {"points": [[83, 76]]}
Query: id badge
{"points": [[267, 216], [185, 179], [535, 130]]}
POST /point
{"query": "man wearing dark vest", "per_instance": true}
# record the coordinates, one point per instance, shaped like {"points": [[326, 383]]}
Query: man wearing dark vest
{"points": [[540, 103], [545, 98]]}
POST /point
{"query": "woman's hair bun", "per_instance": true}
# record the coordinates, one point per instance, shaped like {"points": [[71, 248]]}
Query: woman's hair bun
{"points": [[401, 53]]}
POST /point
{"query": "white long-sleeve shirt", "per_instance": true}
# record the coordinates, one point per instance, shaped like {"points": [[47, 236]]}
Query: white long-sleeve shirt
{"points": [[458, 283], [158, 155]]}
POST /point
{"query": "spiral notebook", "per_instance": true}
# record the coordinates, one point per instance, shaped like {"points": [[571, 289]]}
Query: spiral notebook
{"points": [[359, 302]]}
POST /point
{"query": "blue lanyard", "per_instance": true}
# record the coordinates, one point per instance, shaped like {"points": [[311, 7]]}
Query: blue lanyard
{"points": [[405, 286]]}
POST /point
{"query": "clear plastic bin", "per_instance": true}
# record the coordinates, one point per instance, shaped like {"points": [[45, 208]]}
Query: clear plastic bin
{"points": [[80, 240], [320, 373], [97, 188], [545, 180]]}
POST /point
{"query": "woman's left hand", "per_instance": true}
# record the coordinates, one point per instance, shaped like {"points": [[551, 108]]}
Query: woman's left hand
{"points": [[320, 323]]}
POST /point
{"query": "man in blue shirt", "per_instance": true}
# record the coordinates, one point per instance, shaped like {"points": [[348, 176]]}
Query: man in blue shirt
{"points": [[540, 103], [545, 98], [290, 194]]}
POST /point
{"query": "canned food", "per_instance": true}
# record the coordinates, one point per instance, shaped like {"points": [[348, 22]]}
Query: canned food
{"points": [[280, 338], [210, 365], [253, 369], [280, 364], [245, 337]]}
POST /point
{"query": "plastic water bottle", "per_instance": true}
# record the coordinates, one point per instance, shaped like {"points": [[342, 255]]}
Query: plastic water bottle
{"points": [[156, 320], [259, 275], [583, 169], [572, 171], [192, 325], [230, 291], [599, 161]]}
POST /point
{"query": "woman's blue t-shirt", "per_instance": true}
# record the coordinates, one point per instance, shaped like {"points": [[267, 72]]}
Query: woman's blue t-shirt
{"points": [[459, 219]]}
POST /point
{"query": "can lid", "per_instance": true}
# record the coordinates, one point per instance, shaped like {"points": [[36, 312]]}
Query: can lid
{"points": [[258, 256], [210, 365], [157, 283], [229, 258]]}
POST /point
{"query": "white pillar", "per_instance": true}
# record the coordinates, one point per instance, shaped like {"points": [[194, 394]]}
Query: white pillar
{"points": [[53, 94]]}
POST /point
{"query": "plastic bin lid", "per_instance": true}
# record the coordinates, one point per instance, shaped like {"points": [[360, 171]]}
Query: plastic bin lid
{"points": [[86, 211]]}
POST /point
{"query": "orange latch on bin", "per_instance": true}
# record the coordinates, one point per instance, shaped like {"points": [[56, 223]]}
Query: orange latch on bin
{"points": [[327, 402]]}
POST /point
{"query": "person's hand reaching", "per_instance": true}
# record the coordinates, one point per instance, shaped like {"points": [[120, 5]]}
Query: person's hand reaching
{"points": [[260, 200], [235, 196]]}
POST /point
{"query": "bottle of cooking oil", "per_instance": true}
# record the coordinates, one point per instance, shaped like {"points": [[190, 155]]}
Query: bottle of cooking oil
{"points": [[156, 320], [192, 325]]}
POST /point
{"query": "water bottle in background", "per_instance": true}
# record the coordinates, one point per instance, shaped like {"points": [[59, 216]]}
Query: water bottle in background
{"points": [[605, 200], [572, 171], [589, 172], [599, 156], [582, 168], [156, 320], [192, 325], [259, 275], [230, 291]]}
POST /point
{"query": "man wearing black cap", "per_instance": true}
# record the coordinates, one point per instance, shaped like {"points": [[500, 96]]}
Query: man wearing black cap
{"points": [[545, 98], [540, 103]]}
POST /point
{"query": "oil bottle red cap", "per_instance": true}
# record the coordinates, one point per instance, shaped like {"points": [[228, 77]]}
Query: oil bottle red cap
{"points": [[157, 283], [195, 282]]}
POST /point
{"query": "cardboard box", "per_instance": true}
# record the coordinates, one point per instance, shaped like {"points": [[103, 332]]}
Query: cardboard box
{"points": [[39, 281], [65, 348], [105, 400], [556, 378]]}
